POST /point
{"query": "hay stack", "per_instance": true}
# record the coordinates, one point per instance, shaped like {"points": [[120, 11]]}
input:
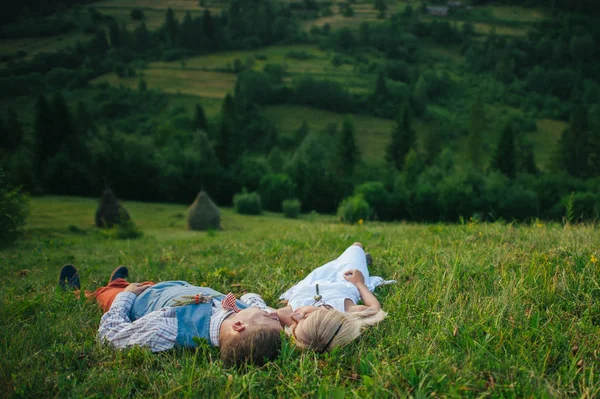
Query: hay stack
{"points": [[109, 211], [203, 214]]}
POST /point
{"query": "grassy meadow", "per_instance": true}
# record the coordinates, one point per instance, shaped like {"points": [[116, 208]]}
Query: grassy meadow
{"points": [[479, 310]]}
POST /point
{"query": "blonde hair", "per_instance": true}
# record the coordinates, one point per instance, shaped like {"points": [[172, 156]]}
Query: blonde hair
{"points": [[326, 329]]}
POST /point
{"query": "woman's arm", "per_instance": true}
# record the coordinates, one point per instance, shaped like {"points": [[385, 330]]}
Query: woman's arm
{"points": [[370, 301]]}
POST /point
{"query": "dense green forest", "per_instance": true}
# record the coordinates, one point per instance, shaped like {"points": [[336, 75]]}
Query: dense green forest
{"points": [[461, 97]]}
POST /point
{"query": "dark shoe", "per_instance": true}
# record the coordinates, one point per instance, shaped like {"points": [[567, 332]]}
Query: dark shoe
{"points": [[68, 278], [369, 259], [119, 272]]}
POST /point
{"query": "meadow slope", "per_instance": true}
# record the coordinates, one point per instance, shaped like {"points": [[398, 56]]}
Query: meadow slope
{"points": [[479, 309]]}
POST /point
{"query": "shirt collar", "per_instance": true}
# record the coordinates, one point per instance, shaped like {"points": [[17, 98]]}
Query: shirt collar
{"points": [[218, 316]]}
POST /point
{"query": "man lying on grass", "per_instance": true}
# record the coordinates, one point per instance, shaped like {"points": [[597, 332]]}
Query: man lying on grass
{"points": [[173, 313], [161, 316]]}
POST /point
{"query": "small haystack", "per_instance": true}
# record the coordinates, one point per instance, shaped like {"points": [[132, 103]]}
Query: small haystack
{"points": [[204, 214], [109, 211]]}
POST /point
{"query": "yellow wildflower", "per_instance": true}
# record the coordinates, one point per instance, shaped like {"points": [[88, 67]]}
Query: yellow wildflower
{"points": [[360, 222], [593, 259]]}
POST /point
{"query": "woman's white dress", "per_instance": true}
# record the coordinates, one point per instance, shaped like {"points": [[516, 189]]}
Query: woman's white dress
{"points": [[333, 288]]}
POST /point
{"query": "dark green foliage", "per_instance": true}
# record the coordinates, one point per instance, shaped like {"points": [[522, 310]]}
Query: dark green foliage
{"points": [[200, 121], [312, 170], [291, 208], [247, 203], [594, 140], [573, 151], [99, 44], [509, 200], [476, 132], [276, 160], [249, 171], [83, 122], [345, 39], [432, 142], [382, 92], [398, 71], [13, 211], [346, 9], [137, 14], [171, 26], [505, 156], [377, 197], [274, 188], [114, 34], [254, 87], [301, 133], [525, 156], [349, 154], [141, 38], [44, 133], [11, 135], [323, 94], [275, 71], [354, 209], [381, 6], [582, 48], [142, 85], [227, 146], [403, 139], [582, 206]]}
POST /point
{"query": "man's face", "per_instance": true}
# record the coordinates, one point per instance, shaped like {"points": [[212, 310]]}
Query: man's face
{"points": [[259, 318]]}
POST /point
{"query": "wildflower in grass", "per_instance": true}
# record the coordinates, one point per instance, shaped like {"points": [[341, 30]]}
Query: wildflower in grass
{"points": [[360, 222], [593, 259]]}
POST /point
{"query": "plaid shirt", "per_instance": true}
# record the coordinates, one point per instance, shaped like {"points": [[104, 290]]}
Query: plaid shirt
{"points": [[156, 330]]}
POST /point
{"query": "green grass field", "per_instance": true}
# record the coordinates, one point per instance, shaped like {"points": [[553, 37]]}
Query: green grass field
{"points": [[372, 134], [479, 310]]}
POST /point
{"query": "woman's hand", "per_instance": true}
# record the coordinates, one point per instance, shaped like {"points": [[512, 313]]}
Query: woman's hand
{"points": [[354, 276], [137, 288]]}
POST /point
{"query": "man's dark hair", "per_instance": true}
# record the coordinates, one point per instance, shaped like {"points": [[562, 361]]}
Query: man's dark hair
{"points": [[256, 346]]}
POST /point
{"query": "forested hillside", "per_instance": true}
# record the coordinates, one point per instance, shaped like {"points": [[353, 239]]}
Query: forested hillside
{"points": [[393, 110]]}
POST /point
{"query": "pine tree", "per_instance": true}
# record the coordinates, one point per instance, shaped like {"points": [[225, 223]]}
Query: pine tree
{"points": [[301, 132], [432, 144], [573, 152], [526, 157], [170, 28], [200, 122], [141, 38], [207, 22], [403, 139], [185, 36], [504, 159], [594, 141], [381, 89], [63, 123], [349, 154], [227, 146], [276, 160], [13, 135], [382, 7], [44, 143], [142, 85], [476, 128], [3, 137], [84, 123], [114, 34], [99, 44]]}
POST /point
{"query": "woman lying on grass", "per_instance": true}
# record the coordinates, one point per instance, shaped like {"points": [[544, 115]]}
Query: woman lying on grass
{"points": [[322, 310]]}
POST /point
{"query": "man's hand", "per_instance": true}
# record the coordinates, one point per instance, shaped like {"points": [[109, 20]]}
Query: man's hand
{"points": [[137, 288], [354, 276]]}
